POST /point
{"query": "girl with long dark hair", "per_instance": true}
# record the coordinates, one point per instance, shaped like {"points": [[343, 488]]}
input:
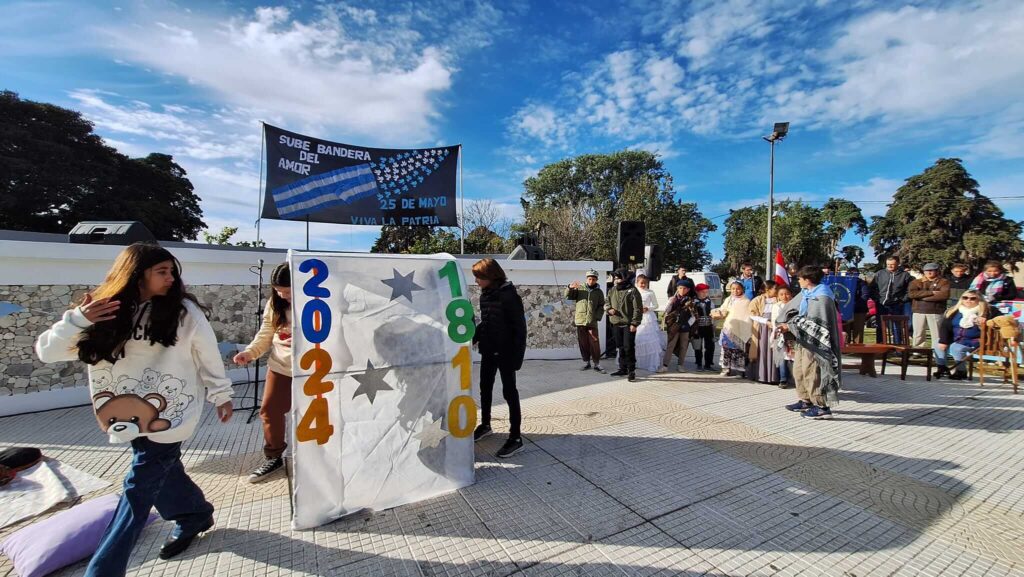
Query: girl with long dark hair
{"points": [[275, 337], [152, 356]]}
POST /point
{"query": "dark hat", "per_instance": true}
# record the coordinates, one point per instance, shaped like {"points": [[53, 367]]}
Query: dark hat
{"points": [[930, 266], [620, 273]]}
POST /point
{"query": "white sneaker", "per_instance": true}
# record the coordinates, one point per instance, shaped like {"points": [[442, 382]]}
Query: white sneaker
{"points": [[662, 369], [724, 373], [681, 369]]}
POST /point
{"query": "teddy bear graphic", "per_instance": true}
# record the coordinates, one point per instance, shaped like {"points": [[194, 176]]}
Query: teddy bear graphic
{"points": [[150, 380], [126, 385], [172, 388], [101, 379], [124, 417]]}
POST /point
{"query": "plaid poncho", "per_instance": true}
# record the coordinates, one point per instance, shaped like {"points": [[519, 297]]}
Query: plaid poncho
{"points": [[817, 330]]}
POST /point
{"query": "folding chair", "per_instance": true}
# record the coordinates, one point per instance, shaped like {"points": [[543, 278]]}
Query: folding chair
{"points": [[996, 354], [896, 334]]}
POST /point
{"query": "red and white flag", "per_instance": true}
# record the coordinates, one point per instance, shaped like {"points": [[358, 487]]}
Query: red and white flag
{"points": [[781, 276]]}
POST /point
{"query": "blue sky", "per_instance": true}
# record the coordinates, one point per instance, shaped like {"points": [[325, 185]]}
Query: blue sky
{"points": [[875, 91]]}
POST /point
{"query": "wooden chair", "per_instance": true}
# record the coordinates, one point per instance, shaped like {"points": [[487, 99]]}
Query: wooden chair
{"points": [[895, 332], [996, 354]]}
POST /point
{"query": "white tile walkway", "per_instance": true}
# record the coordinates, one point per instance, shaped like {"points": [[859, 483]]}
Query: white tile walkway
{"points": [[677, 474]]}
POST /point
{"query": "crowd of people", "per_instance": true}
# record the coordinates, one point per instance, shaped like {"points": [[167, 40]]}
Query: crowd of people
{"points": [[766, 334], [781, 334], [931, 301], [142, 318]]}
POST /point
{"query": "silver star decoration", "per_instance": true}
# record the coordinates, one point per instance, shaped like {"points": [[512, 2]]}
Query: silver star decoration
{"points": [[431, 434], [402, 285], [371, 382]]}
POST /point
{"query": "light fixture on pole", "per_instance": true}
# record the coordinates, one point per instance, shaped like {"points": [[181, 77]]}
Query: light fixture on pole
{"points": [[778, 133]]}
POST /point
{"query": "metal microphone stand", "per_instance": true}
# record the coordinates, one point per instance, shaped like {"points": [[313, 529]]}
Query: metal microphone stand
{"points": [[255, 407]]}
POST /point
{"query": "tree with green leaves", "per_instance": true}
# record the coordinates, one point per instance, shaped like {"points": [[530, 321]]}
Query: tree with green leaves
{"points": [[852, 254], [223, 238], [840, 216], [798, 229], [940, 216], [577, 203], [55, 172]]}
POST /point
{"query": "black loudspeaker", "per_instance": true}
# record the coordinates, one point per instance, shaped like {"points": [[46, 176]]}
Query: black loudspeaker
{"points": [[632, 236], [118, 232], [527, 252], [653, 262]]}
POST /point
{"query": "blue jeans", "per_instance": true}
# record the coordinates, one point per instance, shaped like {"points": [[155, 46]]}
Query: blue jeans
{"points": [[156, 478], [785, 369], [958, 351]]}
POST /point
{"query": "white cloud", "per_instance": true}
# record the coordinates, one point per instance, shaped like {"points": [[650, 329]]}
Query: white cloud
{"points": [[730, 68], [340, 69], [661, 148], [913, 64], [875, 190], [540, 123]]}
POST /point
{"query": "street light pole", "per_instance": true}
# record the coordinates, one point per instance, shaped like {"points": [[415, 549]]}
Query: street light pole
{"points": [[778, 133], [771, 212]]}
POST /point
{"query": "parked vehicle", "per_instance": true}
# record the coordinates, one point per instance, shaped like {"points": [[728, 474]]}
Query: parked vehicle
{"points": [[709, 278]]}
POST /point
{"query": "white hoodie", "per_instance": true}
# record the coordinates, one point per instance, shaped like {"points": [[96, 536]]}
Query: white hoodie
{"points": [[154, 391]]}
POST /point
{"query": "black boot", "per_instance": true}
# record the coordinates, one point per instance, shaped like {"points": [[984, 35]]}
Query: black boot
{"points": [[959, 374], [941, 371]]}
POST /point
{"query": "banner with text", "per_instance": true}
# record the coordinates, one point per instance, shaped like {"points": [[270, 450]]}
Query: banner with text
{"points": [[383, 407], [323, 181]]}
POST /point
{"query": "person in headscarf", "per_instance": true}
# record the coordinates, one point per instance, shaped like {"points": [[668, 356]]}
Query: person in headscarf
{"points": [[763, 368], [735, 310], [812, 321], [782, 344], [650, 339], [994, 284]]}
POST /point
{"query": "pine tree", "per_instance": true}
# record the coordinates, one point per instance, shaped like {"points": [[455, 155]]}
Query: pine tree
{"points": [[940, 216]]}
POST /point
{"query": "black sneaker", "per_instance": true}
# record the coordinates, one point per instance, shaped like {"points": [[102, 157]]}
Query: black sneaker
{"points": [[265, 470], [585, 367], [619, 373], [599, 369], [511, 447], [174, 545], [481, 432], [632, 377]]}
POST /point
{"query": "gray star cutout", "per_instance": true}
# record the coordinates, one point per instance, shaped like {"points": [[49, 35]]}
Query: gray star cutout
{"points": [[431, 434], [371, 381], [402, 285]]}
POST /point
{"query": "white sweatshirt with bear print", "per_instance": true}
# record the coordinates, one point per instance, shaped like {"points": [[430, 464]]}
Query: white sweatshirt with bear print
{"points": [[154, 391]]}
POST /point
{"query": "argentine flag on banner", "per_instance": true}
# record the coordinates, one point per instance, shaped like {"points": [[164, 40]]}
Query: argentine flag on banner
{"points": [[320, 191]]}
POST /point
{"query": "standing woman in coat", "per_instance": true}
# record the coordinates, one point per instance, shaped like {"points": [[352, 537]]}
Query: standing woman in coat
{"points": [[501, 335]]}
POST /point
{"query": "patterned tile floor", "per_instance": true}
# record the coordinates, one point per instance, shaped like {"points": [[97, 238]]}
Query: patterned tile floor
{"points": [[676, 474]]}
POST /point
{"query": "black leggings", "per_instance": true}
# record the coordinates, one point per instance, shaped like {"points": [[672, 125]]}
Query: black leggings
{"points": [[490, 365]]}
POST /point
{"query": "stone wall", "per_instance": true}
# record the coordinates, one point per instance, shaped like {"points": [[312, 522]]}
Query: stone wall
{"points": [[233, 317], [549, 317]]}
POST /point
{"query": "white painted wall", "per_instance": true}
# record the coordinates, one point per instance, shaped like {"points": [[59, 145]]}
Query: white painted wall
{"points": [[47, 263]]}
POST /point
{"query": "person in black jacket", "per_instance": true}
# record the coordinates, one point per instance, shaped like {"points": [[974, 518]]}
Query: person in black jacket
{"points": [[680, 278], [501, 335], [889, 289]]}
